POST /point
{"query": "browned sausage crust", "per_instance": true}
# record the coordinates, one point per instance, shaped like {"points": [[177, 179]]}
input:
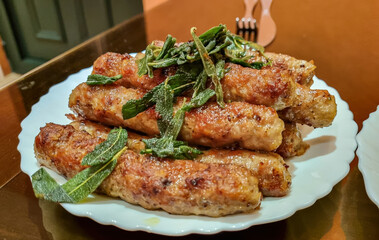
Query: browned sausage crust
{"points": [[274, 180], [249, 126], [301, 71], [292, 144], [316, 108], [176, 186], [268, 86], [112, 64], [273, 177]]}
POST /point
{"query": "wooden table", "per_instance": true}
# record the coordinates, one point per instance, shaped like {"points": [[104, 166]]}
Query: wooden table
{"points": [[341, 39]]}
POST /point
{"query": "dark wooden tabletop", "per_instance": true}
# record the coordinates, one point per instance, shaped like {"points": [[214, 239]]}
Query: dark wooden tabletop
{"points": [[340, 37]]}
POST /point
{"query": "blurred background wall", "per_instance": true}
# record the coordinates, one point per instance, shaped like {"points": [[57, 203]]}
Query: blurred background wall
{"points": [[34, 31]]}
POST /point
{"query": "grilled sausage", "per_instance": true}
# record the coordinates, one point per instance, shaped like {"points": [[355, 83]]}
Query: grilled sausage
{"points": [[292, 144], [301, 71], [176, 186], [273, 177], [316, 108], [249, 126], [273, 86]]}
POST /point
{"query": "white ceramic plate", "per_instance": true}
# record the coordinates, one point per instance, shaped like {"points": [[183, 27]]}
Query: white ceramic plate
{"points": [[368, 154], [314, 174]]}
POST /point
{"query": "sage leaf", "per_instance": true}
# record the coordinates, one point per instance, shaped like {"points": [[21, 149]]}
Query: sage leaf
{"points": [[132, 107], [166, 147], [175, 124], [86, 181], [209, 68], [161, 147], [184, 75], [200, 84], [168, 44], [75, 189], [45, 187], [163, 63], [149, 57], [237, 52], [177, 121], [255, 65], [142, 66], [218, 48], [103, 152], [199, 100], [97, 79], [102, 160], [211, 33], [186, 152], [164, 99], [143, 63], [220, 69]]}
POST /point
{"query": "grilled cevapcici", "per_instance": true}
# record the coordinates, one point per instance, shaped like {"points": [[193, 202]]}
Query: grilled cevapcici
{"points": [[278, 86], [273, 176], [217, 183], [254, 127]]}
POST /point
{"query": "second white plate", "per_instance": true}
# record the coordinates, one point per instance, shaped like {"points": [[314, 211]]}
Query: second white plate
{"points": [[368, 154]]}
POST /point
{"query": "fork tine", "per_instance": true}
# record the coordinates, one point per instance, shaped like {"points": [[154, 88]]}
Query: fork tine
{"points": [[255, 30], [246, 27], [238, 26], [249, 29]]}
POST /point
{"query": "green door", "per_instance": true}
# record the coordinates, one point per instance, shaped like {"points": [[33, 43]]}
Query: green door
{"points": [[35, 31]]}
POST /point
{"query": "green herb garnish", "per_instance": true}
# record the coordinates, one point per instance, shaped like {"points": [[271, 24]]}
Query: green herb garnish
{"points": [[97, 79], [184, 78], [217, 40], [167, 145], [196, 61], [116, 140], [102, 161], [209, 67]]}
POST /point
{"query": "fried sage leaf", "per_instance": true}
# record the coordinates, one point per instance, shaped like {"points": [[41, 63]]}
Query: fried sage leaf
{"points": [[209, 68], [103, 152], [179, 83], [47, 188], [240, 51], [102, 161], [164, 98], [132, 107], [167, 145], [168, 44], [97, 79], [200, 84], [196, 101], [86, 181], [75, 189]]}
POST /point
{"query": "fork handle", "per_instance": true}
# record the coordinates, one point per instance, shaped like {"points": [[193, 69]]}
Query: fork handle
{"points": [[266, 4], [249, 7]]}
